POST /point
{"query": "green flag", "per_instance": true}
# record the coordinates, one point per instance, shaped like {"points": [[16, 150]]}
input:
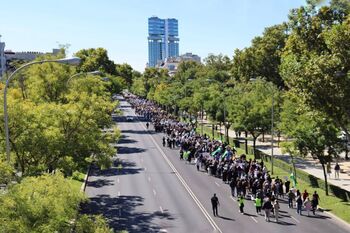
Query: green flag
{"points": [[293, 178]]}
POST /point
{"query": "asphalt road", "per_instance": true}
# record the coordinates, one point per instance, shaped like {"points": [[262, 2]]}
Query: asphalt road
{"points": [[150, 190]]}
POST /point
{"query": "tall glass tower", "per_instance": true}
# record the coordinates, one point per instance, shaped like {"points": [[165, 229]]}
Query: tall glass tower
{"points": [[163, 41]]}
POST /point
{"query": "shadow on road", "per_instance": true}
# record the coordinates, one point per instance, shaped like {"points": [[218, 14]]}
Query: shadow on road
{"points": [[122, 214], [138, 131], [99, 183], [129, 150]]}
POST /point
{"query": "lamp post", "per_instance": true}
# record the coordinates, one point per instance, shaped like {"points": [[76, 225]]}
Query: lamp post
{"points": [[96, 72], [67, 61]]}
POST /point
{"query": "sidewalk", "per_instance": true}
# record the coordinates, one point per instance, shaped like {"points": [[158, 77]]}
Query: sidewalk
{"points": [[307, 164]]}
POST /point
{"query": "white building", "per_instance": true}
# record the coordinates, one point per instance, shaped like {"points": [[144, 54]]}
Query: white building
{"points": [[2, 58], [172, 63]]}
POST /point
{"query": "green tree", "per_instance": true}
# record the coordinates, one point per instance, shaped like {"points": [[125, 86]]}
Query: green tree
{"points": [[95, 59], [315, 62], [251, 105], [312, 132]]}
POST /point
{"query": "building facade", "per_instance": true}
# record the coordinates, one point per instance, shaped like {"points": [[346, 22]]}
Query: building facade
{"points": [[2, 58], [163, 40], [171, 63]]}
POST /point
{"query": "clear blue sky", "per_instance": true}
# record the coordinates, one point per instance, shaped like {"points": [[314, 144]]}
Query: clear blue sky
{"points": [[120, 26]]}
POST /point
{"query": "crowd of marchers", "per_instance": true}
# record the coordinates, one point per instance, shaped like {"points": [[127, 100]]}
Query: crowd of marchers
{"points": [[248, 179]]}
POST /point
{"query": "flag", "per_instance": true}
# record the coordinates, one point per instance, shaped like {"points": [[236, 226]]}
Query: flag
{"points": [[293, 178]]}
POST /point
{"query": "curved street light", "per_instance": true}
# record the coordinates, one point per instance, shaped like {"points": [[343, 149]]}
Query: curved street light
{"points": [[67, 61], [96, 72]]}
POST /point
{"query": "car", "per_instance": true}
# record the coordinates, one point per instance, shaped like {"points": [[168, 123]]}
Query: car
{"points": [[129, 118]]}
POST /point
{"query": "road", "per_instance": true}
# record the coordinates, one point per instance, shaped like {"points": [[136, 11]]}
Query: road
{"points": [[150, 190]]}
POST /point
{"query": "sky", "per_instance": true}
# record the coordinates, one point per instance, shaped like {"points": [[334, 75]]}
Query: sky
{"points": [[121, 26]]}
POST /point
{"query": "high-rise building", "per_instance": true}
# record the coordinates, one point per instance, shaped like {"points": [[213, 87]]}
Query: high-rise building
{"points": [[2, 58], [163, 41]]}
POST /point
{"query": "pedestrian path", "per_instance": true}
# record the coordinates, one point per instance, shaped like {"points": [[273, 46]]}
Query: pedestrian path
{"points": [[308, 165]]}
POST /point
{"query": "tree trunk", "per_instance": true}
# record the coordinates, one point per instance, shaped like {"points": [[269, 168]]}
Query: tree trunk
{"points": [[246, 142], [212, 131], [254, 144], [325, 177], [263, 136]]}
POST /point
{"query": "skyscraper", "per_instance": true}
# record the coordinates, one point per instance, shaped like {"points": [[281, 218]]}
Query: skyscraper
{"points": [[2, 58], [163, 41]]}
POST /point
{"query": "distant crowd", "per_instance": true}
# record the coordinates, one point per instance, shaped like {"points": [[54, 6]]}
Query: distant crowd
{"points": [[248, 179]]}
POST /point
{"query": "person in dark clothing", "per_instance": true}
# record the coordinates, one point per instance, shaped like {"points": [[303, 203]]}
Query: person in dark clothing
{"points": [[147, 125], [164, 141], [215, 203], [287, 184], [233, 187]]}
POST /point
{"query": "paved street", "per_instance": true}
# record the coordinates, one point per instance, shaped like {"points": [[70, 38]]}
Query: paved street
{"points": [[150, 190]]}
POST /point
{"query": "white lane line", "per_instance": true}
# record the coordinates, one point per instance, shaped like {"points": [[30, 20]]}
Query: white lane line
{"points": [[154, 192], [199, 204], [118, 193], [163, 230], [118, 181], [217, 184], [233, 199], [161, 209], [295, 219], [254, 219], [145, 168], [149, 179]]}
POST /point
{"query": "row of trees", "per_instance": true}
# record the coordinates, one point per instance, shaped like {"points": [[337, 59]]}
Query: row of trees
{"points": [[302, 64], [56, 128]]}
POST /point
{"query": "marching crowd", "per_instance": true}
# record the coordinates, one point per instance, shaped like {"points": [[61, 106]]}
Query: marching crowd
{"points": [[248, 179]]}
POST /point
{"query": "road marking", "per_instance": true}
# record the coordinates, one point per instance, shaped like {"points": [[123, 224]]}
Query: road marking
{"points": [[154, 192], [254, 219], [118, 181], [233, 199], [217, 184], [145, 168], [118, 193], [149, 179], [295, 219], [163, 230], [199, 204], [161, 209]]}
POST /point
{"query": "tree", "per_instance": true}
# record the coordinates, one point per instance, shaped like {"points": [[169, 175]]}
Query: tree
{"points": [[315, 61], [312, 132], [95, 59], [250, 107], [46, 203], [126, 72], [262, 58]]}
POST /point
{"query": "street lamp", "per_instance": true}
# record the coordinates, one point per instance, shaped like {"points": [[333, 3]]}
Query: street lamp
{"points": [[67, 61], [96, 72]]}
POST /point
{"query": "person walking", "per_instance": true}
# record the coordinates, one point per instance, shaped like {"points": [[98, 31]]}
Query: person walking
{"points": [[241, 204], [147, 125], [258, 204], [276, 208], [299, 202], [314, 202], [308, 206], [291, 197], [336, 171], [267, 207], [215, 203]]}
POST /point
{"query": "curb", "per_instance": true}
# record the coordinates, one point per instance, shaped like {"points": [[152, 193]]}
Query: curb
{"points": [[83, 186], [335, 217]]}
